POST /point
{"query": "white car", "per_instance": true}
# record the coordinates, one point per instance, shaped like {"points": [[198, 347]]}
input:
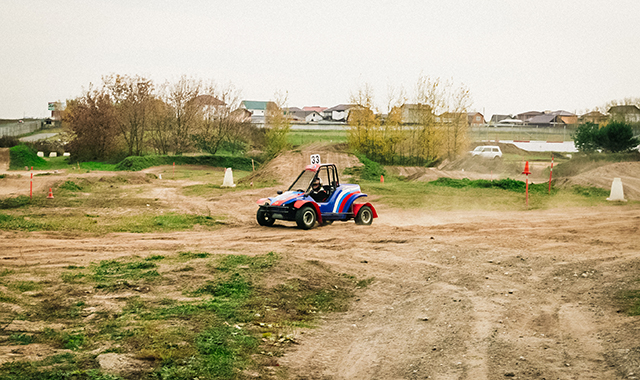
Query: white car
{"points": [[487, 151]]}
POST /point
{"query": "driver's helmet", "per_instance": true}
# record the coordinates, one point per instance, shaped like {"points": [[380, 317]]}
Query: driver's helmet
{"points": [[316, 184]]}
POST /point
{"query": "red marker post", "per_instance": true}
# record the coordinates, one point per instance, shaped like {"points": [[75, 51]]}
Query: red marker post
{"points": [[31, 187], [527, 172], [550, 174]]}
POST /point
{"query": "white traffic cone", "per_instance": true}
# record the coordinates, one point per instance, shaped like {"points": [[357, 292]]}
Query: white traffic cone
{"points": [[617, 193], [228, 178]]}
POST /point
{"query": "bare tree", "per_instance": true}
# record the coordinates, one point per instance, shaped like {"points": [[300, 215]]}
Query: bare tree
{"points": [[219, 123], [180, 97], [133, 97]]}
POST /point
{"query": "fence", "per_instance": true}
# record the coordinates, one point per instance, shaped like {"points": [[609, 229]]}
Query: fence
{"points": [[17, 129], [522, 133]]}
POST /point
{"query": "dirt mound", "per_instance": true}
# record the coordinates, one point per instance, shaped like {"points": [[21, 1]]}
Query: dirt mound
{"points": [[286, 167], [420, 173], [4, 159], [628, 172]]}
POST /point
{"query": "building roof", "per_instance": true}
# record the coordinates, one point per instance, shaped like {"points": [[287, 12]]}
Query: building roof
{"points": [[546, 118], [624, 109], [255, 105], [314, 108], [340, 107], [208, 100]]}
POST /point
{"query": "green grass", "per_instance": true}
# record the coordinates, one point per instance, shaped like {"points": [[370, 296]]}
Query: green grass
{"points": [[136, 163], [22, 156], [79, 222], [631, 301], [231, 321], [447, 194], [302, 137]]}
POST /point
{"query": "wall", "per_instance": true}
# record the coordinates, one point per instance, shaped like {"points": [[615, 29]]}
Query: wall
{"points": [[16, 129]]}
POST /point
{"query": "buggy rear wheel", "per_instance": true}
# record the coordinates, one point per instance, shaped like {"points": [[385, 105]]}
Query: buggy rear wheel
{"points": [[365, 216]]}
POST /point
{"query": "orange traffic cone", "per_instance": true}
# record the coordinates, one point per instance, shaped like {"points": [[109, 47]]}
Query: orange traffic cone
{"points": [[50, 196], [381, 178], [526, 168]]}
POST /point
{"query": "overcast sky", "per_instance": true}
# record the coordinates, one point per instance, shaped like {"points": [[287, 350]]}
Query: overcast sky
{"points": [[514, 56]]}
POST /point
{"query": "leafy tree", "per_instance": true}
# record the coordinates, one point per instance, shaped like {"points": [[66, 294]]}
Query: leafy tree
{"points": [[277, 126], [92, 121], [617, 137], [587, 137]]}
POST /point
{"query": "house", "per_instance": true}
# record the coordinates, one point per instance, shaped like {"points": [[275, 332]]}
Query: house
{"points": [[302, 116], [338, 113], [595, 117], [452, 117], [528, 115], [546, 120], [566, 117], [258, 109], [498, 118], [626, 113], [475, 119], [318, 109], [412, 113]]}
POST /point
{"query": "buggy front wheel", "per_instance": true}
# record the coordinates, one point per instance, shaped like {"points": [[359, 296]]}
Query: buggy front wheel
{"points": [[264, 218]]}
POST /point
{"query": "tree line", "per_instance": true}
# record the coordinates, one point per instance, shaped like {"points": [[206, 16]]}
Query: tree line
{"points": [[426, 128], [132, 116]]}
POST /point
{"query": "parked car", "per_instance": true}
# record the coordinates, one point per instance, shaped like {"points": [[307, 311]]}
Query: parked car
{"points": [[487, 151], [298, 203]]}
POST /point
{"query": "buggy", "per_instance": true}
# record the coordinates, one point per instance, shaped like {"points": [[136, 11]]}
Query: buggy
{"points": [[298, 203]]}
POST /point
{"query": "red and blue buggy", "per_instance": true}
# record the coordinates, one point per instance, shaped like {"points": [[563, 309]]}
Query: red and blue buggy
{"points": [[306, 206]]}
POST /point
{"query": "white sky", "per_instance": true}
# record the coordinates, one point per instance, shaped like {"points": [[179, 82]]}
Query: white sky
{"points": [[513, 55]]}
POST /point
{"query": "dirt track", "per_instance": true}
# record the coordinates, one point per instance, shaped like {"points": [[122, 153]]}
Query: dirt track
{"points": [[457, 295]]}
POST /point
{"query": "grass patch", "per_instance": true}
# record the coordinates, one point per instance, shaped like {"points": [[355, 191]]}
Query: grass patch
{"points": [[631, 301], [15, 202], [370, 171], [242, 310], [112, 275], [80, 222], [22, 156], [137, 163], [302, 137], [25, 286], [447, 194]]}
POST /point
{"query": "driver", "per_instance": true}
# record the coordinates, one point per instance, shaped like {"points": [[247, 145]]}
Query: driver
{"points": [[318, 193]]}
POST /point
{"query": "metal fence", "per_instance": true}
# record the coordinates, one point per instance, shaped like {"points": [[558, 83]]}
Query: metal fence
{"points": [[17, 129]]}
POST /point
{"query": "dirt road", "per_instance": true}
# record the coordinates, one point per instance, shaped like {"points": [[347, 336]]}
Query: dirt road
{"points": [[456, 295]]}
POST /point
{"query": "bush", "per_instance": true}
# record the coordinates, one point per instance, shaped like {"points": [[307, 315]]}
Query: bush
{"points": [[19, 201], [615, 137], [618, 137], [586, 137], [136, 163], [22, 155], [9, 141]]}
